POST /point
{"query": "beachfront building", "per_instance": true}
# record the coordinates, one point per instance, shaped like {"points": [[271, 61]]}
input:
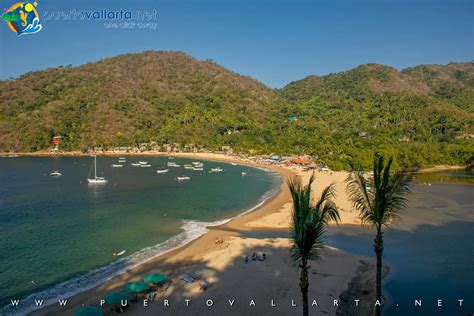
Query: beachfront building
{"points": [[301, 161]]}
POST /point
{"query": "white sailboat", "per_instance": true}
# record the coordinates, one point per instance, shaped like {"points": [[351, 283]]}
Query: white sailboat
{"points": [[96, 179], [55, 174]]}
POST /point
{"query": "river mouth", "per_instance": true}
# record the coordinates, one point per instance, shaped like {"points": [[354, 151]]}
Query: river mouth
{"points": [[60, 232], [429, 250]]}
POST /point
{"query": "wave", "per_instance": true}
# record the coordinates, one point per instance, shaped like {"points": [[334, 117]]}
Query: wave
{"points": [[191, 230]]}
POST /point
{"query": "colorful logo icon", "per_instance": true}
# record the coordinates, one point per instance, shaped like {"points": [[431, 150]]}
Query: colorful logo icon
{"points": [[22, 18]]}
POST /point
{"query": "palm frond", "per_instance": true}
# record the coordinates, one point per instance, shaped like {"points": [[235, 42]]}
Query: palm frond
{"points": [[397, 196], [360, 192], [10, 16], [308, 224], [382, 198]]}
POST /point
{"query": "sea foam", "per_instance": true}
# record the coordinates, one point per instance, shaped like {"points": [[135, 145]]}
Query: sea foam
{"points": [[191, 230]]}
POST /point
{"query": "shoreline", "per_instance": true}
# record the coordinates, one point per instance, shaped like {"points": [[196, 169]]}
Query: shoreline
{"points": [[219, 156], [192, 252], [237, 221]]}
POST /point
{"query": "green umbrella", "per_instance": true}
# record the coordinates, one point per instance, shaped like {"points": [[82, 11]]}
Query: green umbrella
{"points": [[113, 298], [135, 287], [89, 311], [155, 278]]}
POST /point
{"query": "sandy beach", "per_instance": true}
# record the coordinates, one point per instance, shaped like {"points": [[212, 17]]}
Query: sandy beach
{"points": [[222, 268]]}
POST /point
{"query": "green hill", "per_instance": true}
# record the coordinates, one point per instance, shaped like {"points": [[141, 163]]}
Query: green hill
{"points": [[423, 115], [162, 96]]}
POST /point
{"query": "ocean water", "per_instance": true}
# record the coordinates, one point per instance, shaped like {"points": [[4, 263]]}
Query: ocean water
{"points": [[57, 235], [434, 258]]}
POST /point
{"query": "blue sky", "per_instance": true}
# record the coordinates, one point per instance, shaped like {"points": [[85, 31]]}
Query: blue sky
{"points": [[273, 41]]}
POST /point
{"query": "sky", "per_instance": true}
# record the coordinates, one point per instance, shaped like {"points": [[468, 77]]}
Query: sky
{"points": [[273, 41]]}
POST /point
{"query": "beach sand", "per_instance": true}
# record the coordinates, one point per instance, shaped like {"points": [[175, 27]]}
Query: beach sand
{"points": [[282, 218], [222, 266]]}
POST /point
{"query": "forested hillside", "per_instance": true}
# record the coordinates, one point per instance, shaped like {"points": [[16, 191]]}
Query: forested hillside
{"points": [[422, 115]]}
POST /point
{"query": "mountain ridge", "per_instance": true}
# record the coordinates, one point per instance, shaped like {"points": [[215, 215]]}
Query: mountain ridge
{"points": [[171, 97]]}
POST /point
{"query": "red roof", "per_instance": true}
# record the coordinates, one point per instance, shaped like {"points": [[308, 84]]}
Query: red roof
{"points": [[301, 161]]}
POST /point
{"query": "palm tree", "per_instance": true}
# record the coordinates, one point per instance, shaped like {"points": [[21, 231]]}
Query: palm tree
{"points": [[308, 228], [380, 200]]}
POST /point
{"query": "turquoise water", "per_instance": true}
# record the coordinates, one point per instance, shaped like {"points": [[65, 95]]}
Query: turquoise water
{"points": [[57, 235], [432, 260]]}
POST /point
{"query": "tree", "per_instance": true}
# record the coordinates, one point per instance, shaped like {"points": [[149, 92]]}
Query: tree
{"points": [[308, 226], [380, 200]]}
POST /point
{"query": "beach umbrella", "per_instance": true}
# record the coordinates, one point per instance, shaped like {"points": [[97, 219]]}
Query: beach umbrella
{"points": [[113, 298], [89, 311], [155, 278], [136, 287]]}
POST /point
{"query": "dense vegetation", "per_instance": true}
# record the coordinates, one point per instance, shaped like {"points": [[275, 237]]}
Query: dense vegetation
{"points": [[422, 115], [408, 114]]}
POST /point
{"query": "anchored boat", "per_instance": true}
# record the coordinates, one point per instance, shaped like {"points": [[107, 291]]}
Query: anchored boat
{"points": [[96, 179]]}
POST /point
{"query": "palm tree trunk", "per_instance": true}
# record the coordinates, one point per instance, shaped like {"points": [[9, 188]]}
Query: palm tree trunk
{"points": [[378, 247], [304, 285]]}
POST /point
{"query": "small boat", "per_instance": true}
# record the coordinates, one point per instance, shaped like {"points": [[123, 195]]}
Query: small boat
{"points": [[183, 178], [244, 173], [145, 166], [136, 164], [217, 169], [188, 167], [198, 169], [55, 174], [118, 254], [143, 162], [233, 164], [196, 163], [173, 164], [117, 166], [122, 158], [162, 171], [170, 157], [96, 179]]}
